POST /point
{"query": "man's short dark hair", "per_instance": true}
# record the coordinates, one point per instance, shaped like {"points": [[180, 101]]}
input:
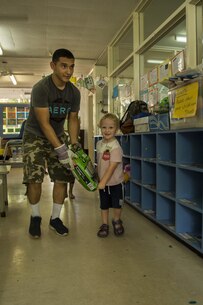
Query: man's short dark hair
{"points": [[62, 53]]}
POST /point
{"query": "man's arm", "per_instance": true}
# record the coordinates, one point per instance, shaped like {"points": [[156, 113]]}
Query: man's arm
{"points": [[42, 115], [73, 127]]}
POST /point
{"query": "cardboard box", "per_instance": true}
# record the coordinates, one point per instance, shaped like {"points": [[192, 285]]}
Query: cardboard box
{"points": [[159, 122], [141, 124]]}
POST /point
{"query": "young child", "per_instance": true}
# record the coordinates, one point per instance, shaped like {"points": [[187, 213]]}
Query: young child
{"points": [[110, 173]]}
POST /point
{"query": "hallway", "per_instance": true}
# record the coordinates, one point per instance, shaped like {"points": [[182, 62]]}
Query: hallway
{"points": [[146, 266]]}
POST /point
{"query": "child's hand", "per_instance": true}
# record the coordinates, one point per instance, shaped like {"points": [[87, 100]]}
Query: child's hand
{"points": [[101, 186]]}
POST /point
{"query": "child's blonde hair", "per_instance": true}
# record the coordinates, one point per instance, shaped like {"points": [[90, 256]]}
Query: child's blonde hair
{"points": [[112, 117]]}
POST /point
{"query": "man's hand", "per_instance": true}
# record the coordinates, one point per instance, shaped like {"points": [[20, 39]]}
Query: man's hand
{"points": [[62, 152], [75, 147], [72, 149]]}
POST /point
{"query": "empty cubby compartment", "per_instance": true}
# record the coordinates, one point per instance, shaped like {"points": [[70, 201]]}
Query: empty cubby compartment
{"points": [[166, 180], [125, 143], [135, 166], [166, 150], [189, 225], [189, 187], [148, 202], [190, 148], [149, 146], [127, 189], [165, 211], [149, 174], [135, 145], [135, 194]]}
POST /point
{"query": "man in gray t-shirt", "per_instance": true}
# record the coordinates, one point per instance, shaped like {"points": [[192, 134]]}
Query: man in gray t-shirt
{"points": [[53, 100]]}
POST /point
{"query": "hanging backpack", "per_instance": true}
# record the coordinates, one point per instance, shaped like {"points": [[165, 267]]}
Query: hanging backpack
{"points": [[135, 109]]}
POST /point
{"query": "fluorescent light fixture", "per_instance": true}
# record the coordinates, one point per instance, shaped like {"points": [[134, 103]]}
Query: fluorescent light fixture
{"points": [[13, 79], [181, 38], [155, 61], [1, 51]]}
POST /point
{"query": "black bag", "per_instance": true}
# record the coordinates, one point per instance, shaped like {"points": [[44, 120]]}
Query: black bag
{"points": [[134, 109]]}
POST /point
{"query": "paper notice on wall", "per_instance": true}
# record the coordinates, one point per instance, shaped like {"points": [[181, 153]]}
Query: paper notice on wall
{"points": [[89, 83], [186, 101], [144, 82], [153, 76], [178, 63]]}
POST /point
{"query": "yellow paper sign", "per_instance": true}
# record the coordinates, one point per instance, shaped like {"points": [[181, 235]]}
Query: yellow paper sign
{"points": [[73, 79], [186, 101]]}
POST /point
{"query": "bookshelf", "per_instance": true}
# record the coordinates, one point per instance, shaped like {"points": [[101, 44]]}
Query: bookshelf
{"points": [[13, 116]]}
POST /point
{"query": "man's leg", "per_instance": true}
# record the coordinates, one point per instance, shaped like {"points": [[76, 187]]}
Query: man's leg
{"points": [[33, 170], [34, 194], [59, 194]]}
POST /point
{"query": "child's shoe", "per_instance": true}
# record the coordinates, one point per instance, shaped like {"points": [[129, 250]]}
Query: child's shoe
{"points": [[103, 230], [118, 227]]}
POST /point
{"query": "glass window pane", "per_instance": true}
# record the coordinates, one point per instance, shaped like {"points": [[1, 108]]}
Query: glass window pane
{"points": [[123, 90], [123, 48], [199, 12], [152, 19], [164, 49]]}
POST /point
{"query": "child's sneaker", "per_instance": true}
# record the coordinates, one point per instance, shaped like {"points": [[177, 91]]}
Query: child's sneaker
{"points": [[57, 225], [34, 228]]}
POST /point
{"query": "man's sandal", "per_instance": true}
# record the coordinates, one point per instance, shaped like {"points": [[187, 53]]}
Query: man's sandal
{"points": [[103, 231], [118, 227]]}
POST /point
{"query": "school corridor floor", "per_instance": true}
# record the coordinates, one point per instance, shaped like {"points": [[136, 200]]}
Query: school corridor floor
{"points": [[146, 266]]}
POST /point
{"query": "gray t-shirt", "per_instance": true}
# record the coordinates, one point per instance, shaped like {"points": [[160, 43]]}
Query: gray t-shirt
{"points": [[60, 102]]}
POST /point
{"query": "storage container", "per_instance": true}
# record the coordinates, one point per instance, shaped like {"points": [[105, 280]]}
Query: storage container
{"points": [[141, 124], [159, 122]]}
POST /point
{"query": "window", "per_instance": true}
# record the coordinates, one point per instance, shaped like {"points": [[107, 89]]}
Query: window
{"points": [[123, 47], [199, 26], [155, 13], [164, 49], [151, 90], [123, 90]]}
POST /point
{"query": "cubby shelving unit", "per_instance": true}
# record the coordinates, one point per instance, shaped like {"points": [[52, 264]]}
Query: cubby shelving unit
{"points": [[166, 183]]}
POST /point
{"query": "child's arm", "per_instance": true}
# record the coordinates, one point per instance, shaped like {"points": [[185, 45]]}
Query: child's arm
{"points": [[107, 175]]}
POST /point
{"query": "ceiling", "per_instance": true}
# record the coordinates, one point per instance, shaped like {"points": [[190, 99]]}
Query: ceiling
{"points": [[30, 31]]}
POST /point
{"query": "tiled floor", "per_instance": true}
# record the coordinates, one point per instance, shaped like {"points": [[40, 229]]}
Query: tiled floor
{"points": [[146, 266]]}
